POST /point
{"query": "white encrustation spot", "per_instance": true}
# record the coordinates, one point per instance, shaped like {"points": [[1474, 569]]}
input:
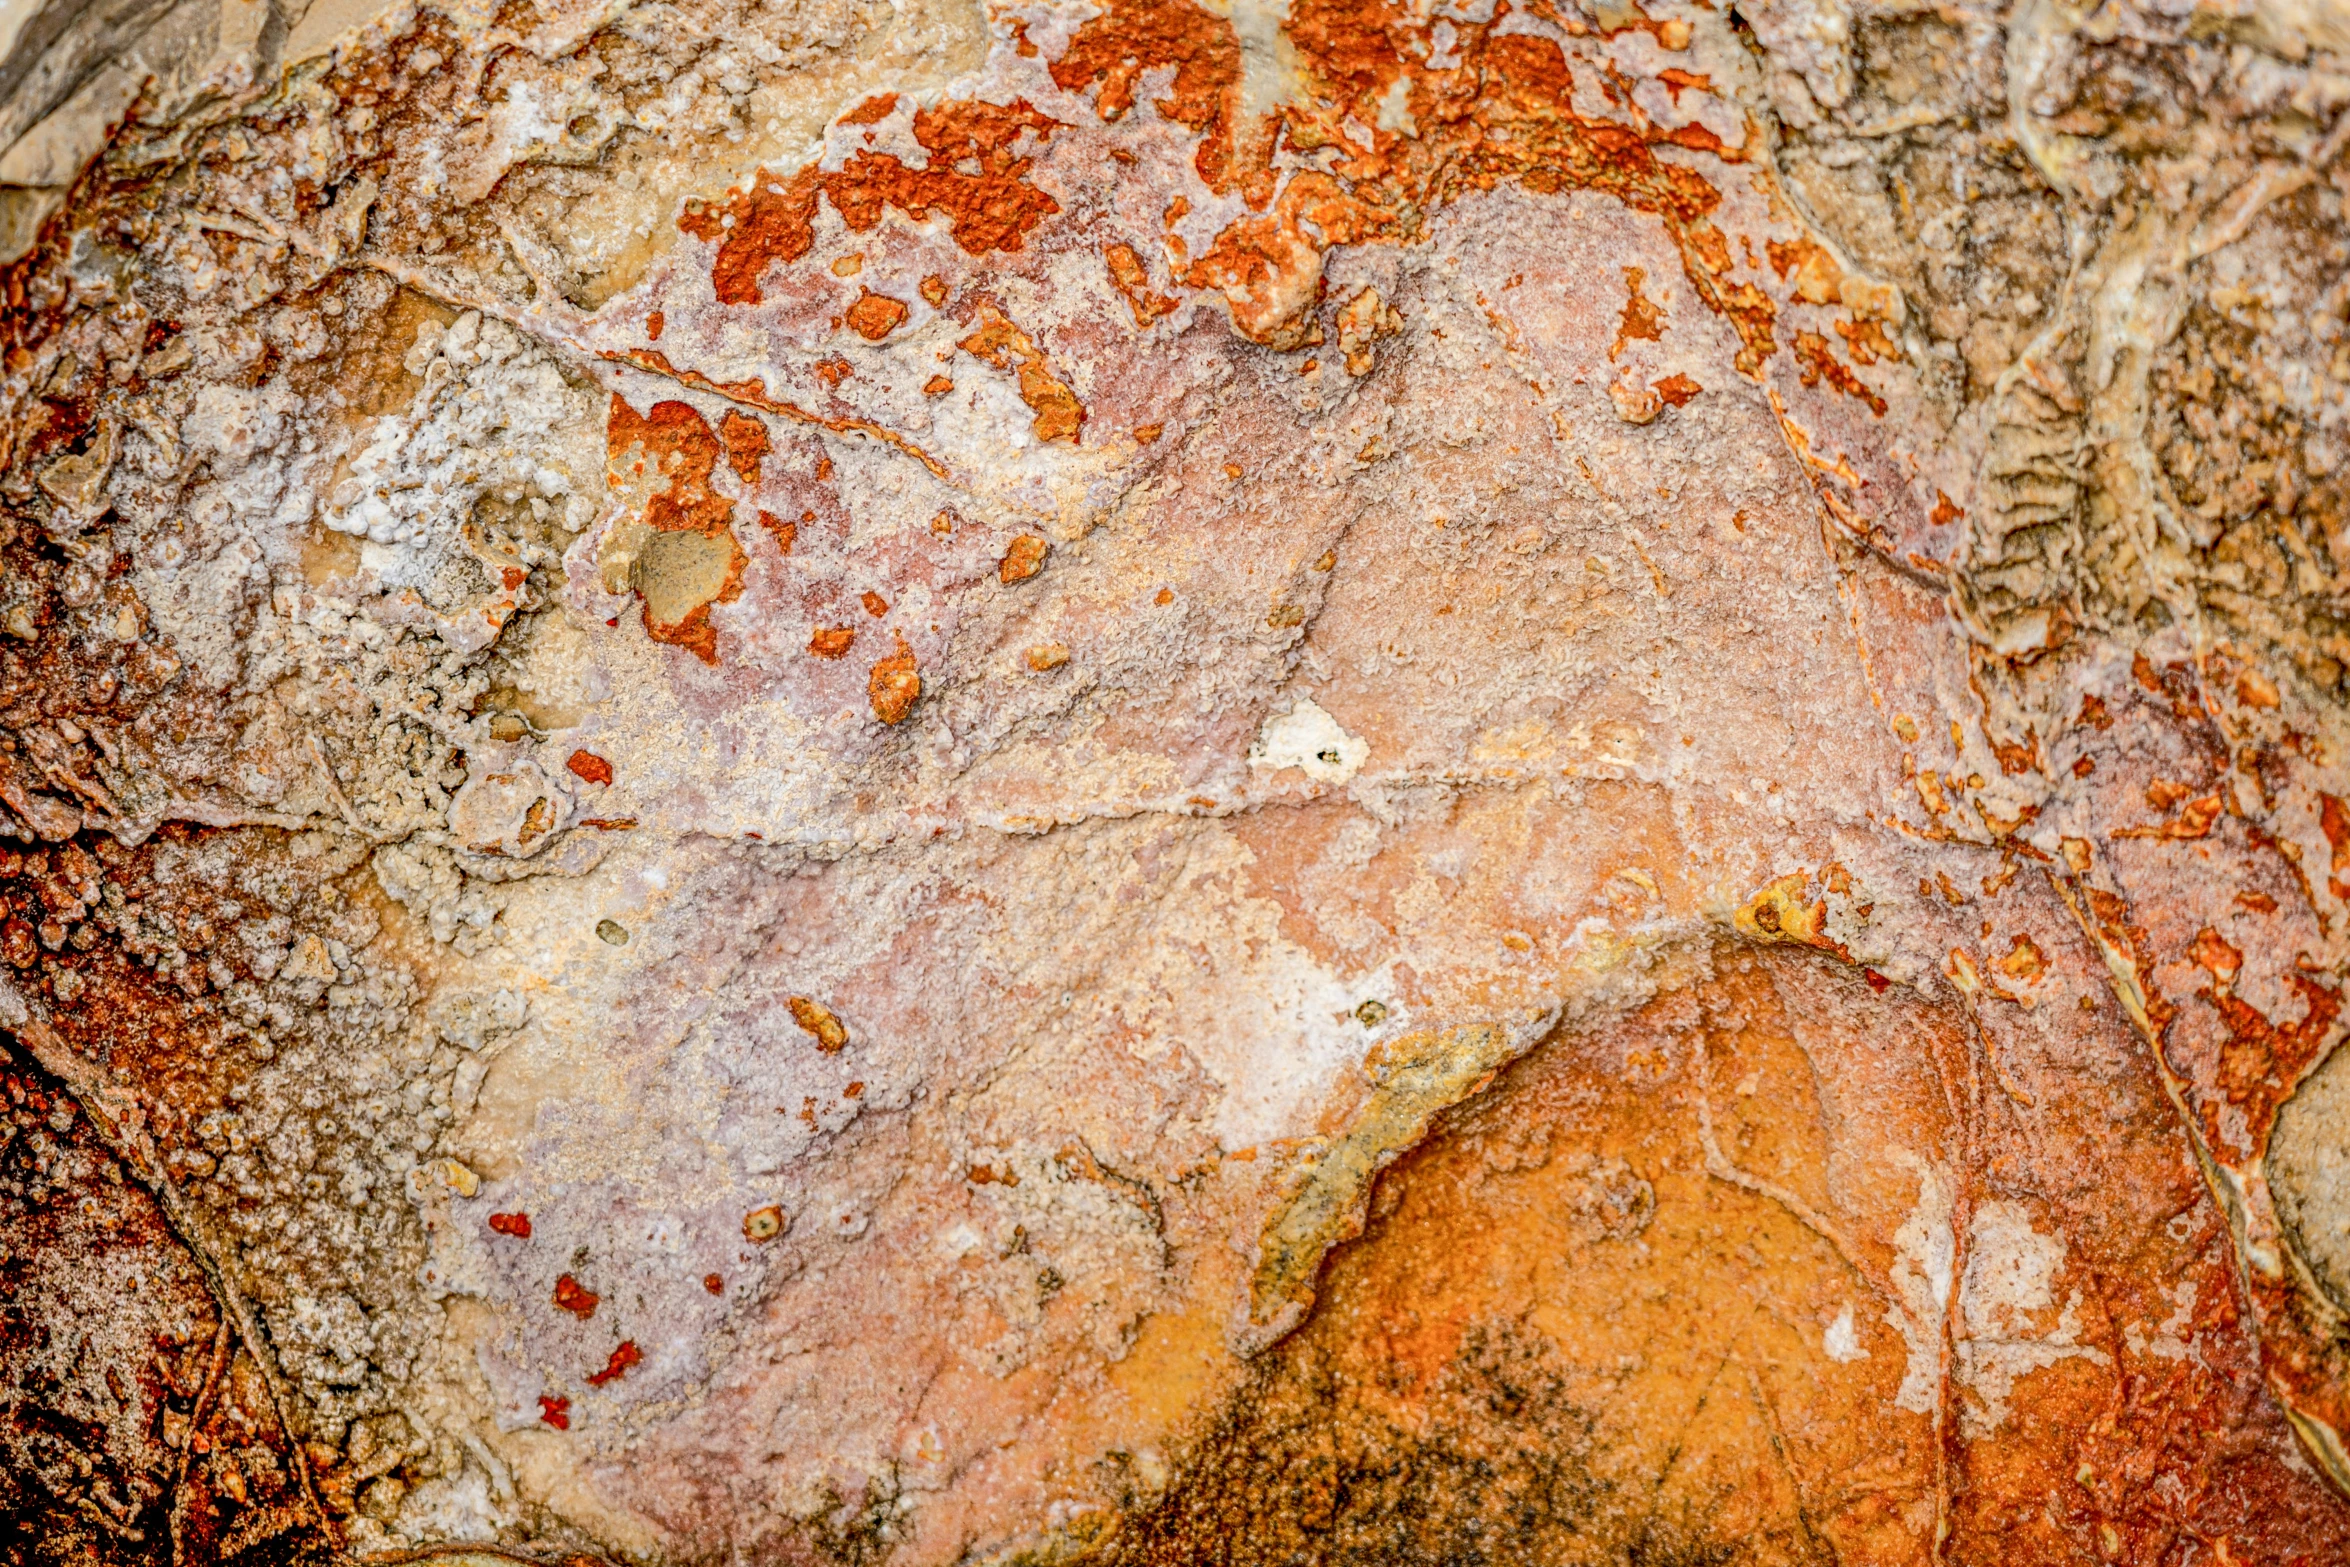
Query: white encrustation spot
{"points": [[1311, 741], [1842, 1340]]}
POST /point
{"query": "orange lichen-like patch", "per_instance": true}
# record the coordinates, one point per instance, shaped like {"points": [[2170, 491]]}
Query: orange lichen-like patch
{"points": [[1677, 390], [622, 1358], [571, 1297], [1024, 559], [2023, 961], [555, 1411], [999, 343], [514, 1224], [873, 110], [937, 386], [1269, 267], [589, 767], [746, 444], [875, 604], [894, 686], [1643, 318], [832, 641], [1133, 280], [2195, 820], [1866, 341], [785, 532], [874, 316], [1819, 363], [990, 209], [817, 1019], [1132, 37], [677, 583]]}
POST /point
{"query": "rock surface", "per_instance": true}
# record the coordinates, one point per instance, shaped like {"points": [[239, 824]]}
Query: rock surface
{"points": [[1147, 782]]}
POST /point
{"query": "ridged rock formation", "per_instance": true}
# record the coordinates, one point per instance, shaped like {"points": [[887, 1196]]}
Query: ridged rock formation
{"points": [[1146, 782]]}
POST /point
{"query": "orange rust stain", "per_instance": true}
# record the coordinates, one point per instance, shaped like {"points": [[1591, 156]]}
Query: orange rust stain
{"points": [[1643, 318], [999, 343], [569, 1296], [555, 1411], [992, 209], [1676, 81], [937, 386], [816, 1018], [2334, 821], [2023, 960], [894, 685], [514, 1224], [2195, 820], [1947, 511], [833, 371], [875, 316], [785, 532], [1024, 559], [1820, 363], [653, 325], [1133, 279], [832, 641], [622, 1358], [745, 439], [1678, 390], [872, 111], [875, 604], [1866, 341], [713, 1283], [1132, 37], [590, 768], [934, 290], [681, 448]]}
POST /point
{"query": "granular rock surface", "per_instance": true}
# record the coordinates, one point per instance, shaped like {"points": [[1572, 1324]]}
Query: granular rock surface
{"points": [[1146, 782]]}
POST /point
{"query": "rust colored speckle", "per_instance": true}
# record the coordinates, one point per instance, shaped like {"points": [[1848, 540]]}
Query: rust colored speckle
{"points": [[1024, 559], [514, 1224], [832, 372], [569, 1296], [832, 641], [1948, 511], [653, 325], [1148, 434], [817, 1018], [1643, 317], [934, 289], [1165, 596], [762, 1225], [937, 386], [872, 111], [785, 532], [622, 1358], [1047, 656], [875, 604], [555, 1411], [713, 1283], [1677, 389], [993, 208], [1133, 37], [894, 686], [590, 768], [1133, 280], [999, 343], [1819, 363], [745, 439], [875, 316]]}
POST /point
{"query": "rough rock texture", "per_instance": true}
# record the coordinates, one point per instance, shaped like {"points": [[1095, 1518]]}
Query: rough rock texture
{"points": [[1146, 782]]}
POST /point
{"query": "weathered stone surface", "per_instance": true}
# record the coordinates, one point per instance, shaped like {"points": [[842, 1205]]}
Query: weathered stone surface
{"points": [[1154, 783]]}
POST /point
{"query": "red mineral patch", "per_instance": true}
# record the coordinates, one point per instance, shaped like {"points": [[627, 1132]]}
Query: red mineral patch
{"points": [[622, 1358], [589, 768], [555, 1411], [874, 316], [691, 560], [569, 1296], [993, 208], [1132, 37], [514, 1224]]}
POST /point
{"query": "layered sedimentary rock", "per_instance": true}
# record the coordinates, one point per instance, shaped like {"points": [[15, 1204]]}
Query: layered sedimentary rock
{"points": [[1142, 783]]}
